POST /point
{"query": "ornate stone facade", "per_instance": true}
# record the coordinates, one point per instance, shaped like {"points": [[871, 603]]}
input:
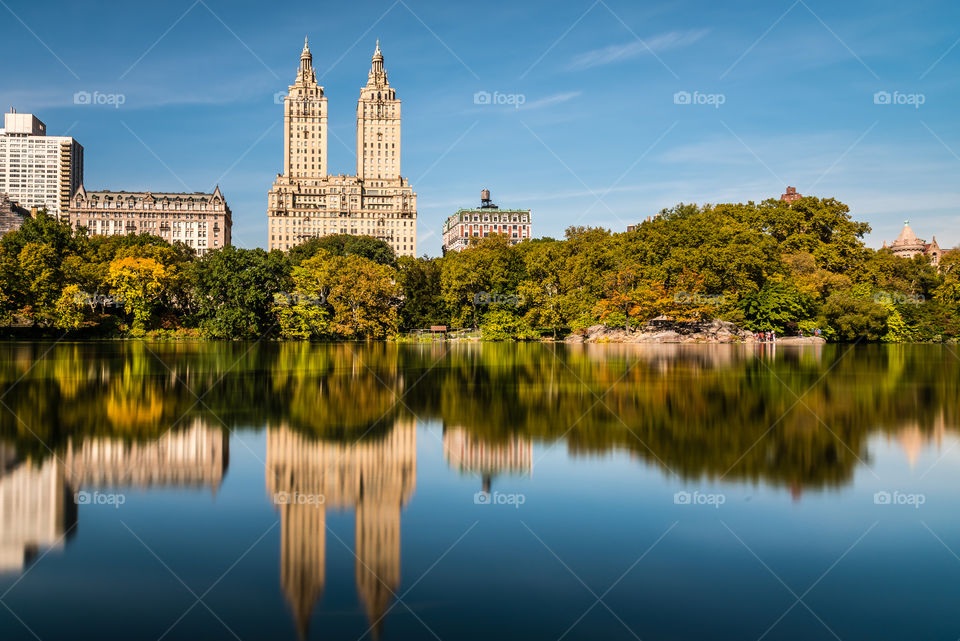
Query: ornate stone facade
{"points": [[907, 245], [201, 221], [307, 202], [487, 219]]}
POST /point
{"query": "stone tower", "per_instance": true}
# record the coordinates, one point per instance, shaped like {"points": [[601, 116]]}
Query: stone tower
{"points": [[378, 125], [305, 123], [306, 201]]}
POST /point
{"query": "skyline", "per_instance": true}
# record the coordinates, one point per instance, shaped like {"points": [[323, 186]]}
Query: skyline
{"points": [[790, 92]]}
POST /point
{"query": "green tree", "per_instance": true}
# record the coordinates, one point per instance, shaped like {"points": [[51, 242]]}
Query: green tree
{"points": [[41, 280], [543, 285], [420, 285], [779, 305], [853, 317], [490, 269], [363, 295], [379, 251], [233, 291]]}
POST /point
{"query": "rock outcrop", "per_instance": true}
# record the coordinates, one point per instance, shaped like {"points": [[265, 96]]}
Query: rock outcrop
{"points": [[715, 331]]}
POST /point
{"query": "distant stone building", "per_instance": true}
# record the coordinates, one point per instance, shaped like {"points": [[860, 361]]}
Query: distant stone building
{"points": [[199, 220], [307, 202], [791, 196], [907, 245], [37, 170], [11, 214], [483, 221]]}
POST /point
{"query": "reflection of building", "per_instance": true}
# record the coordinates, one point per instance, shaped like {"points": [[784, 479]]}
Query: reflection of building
{"points": [[36, 509], [907, 245], [375, 476], [37, 506], [913, 439], [195, 456], [307, 202], [486, 219], [469, 453]]}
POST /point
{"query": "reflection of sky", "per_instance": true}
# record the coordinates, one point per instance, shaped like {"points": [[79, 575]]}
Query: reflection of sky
{"points": [[597, 514]]}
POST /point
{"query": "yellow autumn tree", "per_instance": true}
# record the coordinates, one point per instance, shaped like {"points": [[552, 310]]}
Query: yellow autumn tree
{"points": [[139, 283]]}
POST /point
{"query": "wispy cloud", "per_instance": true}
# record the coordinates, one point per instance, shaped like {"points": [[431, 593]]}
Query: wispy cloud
{"points": [[548, 101], [620, 52]]}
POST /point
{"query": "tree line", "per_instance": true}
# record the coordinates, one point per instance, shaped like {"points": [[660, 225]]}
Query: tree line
{"points": [[769, 266]]}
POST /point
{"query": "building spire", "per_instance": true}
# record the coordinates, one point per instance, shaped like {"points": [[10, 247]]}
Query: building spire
{"points": [[377, 66], [305, 73]]}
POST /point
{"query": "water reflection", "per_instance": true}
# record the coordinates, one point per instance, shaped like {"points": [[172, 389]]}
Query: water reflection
{"points": [[36, 509], [38, 499], [792, 416], [375, 477], [340, 425], [468, 453]]}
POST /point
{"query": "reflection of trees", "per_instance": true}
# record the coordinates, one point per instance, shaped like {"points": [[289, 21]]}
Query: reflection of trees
{"points": [[698, 409]]}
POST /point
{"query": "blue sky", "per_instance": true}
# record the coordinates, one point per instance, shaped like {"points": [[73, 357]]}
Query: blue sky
{"points": [[781, 92]]}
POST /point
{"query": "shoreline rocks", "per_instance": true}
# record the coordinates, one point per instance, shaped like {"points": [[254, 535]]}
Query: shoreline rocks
{"points": [[715, 331]]}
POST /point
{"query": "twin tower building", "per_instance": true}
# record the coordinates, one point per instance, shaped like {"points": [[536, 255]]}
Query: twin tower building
{"points": [[306, 201]]}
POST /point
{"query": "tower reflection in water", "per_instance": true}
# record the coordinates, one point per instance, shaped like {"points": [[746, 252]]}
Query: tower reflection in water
{"points": [[468, 453], [38, 509], [375, 477]]}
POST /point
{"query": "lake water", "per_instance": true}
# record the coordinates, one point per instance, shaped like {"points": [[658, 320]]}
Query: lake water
{"points": [[466, 491]]}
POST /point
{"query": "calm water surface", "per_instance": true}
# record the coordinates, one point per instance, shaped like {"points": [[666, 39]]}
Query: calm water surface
{"points": [[262, 491]]}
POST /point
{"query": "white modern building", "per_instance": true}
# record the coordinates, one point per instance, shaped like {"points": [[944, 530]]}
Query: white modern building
{"points": [[37, 170]]}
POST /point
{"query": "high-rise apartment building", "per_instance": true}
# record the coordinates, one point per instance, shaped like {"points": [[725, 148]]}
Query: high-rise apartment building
{"points": [[37, 170], [307, 202]]}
